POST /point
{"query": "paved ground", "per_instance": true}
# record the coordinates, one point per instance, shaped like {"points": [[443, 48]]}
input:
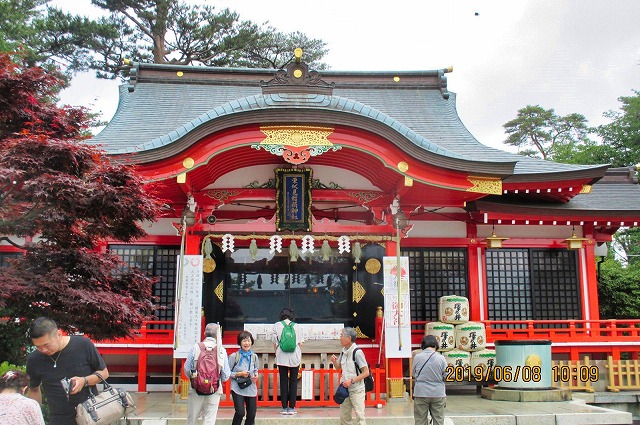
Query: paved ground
{"points": [[463, 408]]}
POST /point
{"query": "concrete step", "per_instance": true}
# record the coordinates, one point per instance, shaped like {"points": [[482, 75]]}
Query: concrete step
{"points": [[462, 409]]}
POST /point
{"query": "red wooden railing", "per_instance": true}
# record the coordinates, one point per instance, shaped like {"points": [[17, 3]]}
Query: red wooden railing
{"points": [[151, 341], [570, 338], [325, 384]]}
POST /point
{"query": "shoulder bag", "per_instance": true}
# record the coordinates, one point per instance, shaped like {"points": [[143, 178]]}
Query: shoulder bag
{"points": [[415, 378], [103, 408], [243, 382]]}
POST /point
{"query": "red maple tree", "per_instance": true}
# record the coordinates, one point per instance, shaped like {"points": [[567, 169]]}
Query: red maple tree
{"points": [[65, 197]]}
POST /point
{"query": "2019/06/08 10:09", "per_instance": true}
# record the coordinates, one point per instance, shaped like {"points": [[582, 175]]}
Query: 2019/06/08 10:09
{"points": [[562, 373]]}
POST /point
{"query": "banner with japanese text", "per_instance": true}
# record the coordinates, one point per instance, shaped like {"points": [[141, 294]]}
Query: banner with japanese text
{"points": [[397, 311], [188, 317]]}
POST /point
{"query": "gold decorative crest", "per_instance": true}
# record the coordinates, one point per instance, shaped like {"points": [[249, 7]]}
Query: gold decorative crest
{"points": [[219, 291], [296, 144], [208, 265], [586, 188], [533, 360], [488, 185], [296, 135], [358, 291], [359, 333], [372, 266]]}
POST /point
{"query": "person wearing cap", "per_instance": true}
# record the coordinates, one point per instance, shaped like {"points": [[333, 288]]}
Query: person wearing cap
{"points": [[206, 405]]}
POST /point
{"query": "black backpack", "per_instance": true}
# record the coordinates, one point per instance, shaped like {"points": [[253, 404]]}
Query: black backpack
{"points": [[368, 381]]}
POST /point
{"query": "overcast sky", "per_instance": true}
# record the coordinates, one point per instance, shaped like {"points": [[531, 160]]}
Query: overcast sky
{"points": [[570, 55]]}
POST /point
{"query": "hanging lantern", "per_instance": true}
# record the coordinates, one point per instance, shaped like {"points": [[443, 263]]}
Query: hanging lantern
{"points": [[357, 252], [574, 242], [494, 241], [293, 251], [253, 249]]}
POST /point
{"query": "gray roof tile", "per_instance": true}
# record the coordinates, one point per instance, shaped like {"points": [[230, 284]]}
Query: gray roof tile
{"points": [[156, 114]]}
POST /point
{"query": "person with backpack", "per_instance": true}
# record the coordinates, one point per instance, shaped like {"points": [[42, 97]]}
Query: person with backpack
{"points": [[244, 379], [353, 365], [287, 340], [428, 372], [207, 366]]}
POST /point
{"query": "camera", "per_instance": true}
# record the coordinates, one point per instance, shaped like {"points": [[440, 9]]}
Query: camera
{"points": [[67, 385]]}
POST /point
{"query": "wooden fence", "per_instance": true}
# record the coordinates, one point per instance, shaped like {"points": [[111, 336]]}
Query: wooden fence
{"points": [[623, 374], [575, 375], [324, 385]]}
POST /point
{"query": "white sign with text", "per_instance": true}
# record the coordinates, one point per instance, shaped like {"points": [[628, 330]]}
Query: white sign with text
{"points": [[188, 306], [397, 311]]}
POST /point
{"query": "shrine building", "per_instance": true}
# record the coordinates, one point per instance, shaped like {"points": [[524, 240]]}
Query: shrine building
{"points": [[294, 184]]}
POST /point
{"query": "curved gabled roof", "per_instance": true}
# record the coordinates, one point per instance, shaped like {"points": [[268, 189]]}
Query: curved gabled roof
{"points": [[160, 108]]}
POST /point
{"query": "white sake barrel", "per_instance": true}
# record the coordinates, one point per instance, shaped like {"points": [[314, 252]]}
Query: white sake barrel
{"points": [[454, 309], [483, 358], [471, 336], [458, 358], [444, 333]]}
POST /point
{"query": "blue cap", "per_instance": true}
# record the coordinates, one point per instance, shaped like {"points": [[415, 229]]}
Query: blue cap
{"points": [[341, 394]]}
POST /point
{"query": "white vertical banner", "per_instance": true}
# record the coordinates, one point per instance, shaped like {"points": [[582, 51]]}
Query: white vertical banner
{"points": [[188, 305], [397, 312], [307, 385]]}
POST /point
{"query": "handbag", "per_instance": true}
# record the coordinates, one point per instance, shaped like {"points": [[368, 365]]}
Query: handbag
{"points": [[103, 408], [243, 382]]}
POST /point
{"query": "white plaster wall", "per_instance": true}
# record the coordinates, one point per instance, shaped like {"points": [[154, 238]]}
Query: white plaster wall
{"points": [[438, 229], [161, 227], [262, 173], [529, 231]]}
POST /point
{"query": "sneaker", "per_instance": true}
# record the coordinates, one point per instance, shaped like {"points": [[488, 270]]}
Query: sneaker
{"points": [[292, 411], [284, 411]]}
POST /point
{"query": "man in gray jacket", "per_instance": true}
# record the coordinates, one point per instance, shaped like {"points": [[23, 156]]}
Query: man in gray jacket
{"points": [[429, 392]]}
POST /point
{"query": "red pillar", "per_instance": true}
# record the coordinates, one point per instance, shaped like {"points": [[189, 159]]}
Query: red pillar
{"points": [[142, 370], [473, 257], [592, 280], [192, 243]]}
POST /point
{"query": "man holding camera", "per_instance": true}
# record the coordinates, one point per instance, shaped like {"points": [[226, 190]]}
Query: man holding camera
{"points": [[65, 366]]}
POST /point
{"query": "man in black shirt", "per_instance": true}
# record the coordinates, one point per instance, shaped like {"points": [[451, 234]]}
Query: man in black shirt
{"points": [[59, 358]]}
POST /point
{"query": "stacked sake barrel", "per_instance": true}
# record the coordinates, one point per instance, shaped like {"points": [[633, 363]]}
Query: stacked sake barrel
{"points": [[462, 342]]}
